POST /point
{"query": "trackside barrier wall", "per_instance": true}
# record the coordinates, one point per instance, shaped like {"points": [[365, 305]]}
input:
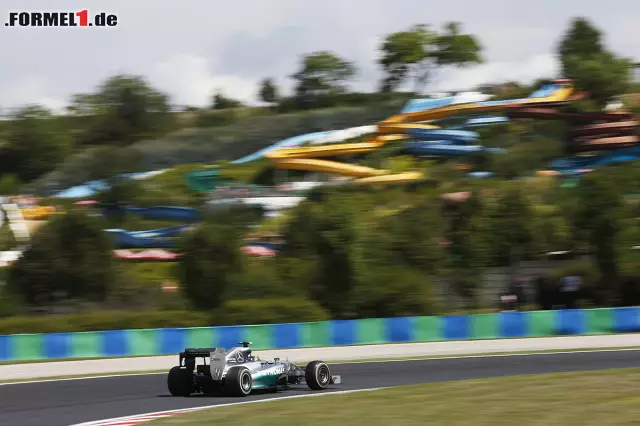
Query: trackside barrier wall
{"points": [[118, 343]]}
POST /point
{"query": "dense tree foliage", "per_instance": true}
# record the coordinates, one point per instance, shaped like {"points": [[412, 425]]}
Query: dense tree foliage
{"points": [[594, 69], [268, 91], [418, 51], [124, 109], [70, 258], [322, 74], [35, 143]]}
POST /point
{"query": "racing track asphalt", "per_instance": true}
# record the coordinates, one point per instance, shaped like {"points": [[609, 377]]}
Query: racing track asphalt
{"points": [[62, 403]]}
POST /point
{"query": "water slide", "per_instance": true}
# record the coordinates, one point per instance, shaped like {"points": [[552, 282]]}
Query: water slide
{"points": [[93, 187], [183, 214], [155, 238], [590, 131], [413, 124], [575, 165]]}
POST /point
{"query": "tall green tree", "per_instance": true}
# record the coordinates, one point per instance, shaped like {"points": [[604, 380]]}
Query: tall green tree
{"points": [[268, 91], [69, 258], [511, 229], [597, 224], [211, 264], [323, 73], [125, 108], [221, 101], [593, 68], [419, 51], [468, 252], [36, 143]]}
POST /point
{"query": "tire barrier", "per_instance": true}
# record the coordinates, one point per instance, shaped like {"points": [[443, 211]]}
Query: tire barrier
{"points": [[170, 341]]}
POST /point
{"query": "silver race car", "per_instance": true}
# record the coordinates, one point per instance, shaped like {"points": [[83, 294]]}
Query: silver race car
{"points": [[238, 373]]}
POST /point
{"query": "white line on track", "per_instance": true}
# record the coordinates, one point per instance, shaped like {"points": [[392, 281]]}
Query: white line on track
{"points": [[139, 418], [371, 361]]}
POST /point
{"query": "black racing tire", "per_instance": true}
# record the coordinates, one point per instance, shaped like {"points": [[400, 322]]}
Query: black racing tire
{"points": [[317, 375], [179, 381], [238, 382]]}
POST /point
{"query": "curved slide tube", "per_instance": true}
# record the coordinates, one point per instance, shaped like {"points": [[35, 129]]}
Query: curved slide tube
{"points": [[183, 214], [155, 238], [573, 165], [411, 123], [617, 131], [286, 143], [93, 187]]}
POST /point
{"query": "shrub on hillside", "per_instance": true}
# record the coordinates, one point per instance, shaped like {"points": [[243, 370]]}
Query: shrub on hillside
{"points": [[275, 310], [106, 320], [69, 258], [211, 264]]}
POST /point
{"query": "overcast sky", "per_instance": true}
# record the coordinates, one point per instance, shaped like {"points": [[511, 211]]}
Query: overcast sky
{"points": [[189, 48]]}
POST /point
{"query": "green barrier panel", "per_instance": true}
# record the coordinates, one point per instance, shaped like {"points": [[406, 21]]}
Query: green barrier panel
{"points": [[202, 337], [261, 336], [427, 329], [370, 331], [315, 334], [542, 323], [485, 326], [599, 321], [144, 342], [28, 346], [85, 344]]}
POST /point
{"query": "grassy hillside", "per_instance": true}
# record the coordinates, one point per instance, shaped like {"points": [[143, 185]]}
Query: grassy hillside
{"points": [[219, 143]]}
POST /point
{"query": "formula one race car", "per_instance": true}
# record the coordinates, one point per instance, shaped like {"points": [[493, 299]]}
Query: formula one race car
{"points": [[238, 373]]}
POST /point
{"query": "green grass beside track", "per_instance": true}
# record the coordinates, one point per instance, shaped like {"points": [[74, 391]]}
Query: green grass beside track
{"points": [[610, 397]]}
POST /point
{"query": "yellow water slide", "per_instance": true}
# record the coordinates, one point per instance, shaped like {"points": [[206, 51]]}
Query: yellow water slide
{"points": [[394, 128]]}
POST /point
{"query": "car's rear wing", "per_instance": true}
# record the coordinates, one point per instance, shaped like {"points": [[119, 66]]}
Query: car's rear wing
{"points": [[197, 352]]}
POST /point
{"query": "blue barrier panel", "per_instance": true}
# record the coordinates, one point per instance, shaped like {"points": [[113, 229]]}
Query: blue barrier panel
{"points": [[173, 340], [286, 335], [5, 348], [513, 324], [56, 345], [343, 332], [399, 329], [571, 321], [626, 319], [229, 337], [114, 343], [457, 327]]}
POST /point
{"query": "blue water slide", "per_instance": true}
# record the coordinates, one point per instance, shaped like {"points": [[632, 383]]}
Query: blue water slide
{"points": [[545, 91], [421, 148], [485, 121], [416, 105], [184, 214], [459, 136], [572, 165], [125, 239], [286, 143], [93, 187]]}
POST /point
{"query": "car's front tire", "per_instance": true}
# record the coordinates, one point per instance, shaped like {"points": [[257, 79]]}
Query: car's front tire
{"points": [[180, 382], [238, 381], [317, 375]]}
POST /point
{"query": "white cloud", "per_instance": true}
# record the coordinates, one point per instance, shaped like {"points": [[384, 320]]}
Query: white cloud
{"points": [[31, 90], [189, 81], [539, 66]]}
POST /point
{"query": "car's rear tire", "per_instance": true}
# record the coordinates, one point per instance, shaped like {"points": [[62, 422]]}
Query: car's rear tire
{"points": [[180, 382], [317, 375], [238, 381]]}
